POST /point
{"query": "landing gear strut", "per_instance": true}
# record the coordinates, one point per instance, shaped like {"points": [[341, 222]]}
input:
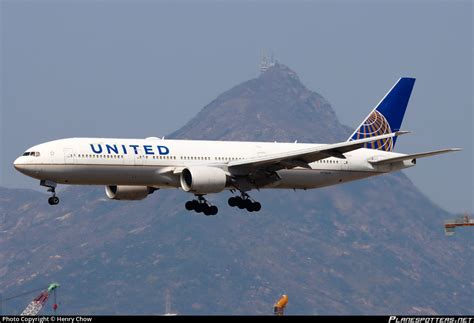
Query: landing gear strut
{"points": [[53, 200], [244, 201], [201, 205]]}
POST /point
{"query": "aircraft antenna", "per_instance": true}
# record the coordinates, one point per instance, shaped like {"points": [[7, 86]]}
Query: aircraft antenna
{"points": [[266, 62]]}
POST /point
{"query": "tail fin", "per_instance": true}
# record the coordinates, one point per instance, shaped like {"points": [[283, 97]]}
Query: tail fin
{"points": [[387, 116]]}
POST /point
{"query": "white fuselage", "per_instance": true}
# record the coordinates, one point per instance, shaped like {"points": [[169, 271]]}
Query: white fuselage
{"points": [[150, 162]]}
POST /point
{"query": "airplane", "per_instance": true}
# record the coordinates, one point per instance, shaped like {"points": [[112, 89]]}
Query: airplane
{"points": [[131, 169]]}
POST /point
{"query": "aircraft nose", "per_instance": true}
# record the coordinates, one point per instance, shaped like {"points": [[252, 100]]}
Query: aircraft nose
{"points": [[20, 165], [24, 166], [16, 164]]}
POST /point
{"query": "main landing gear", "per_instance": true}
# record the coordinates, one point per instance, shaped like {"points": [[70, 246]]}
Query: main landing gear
{"points": [[244, 202], [201, 205], [53, 200]]}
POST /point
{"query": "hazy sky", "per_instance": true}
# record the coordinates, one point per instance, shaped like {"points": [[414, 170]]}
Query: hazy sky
{"points": [[144, 68]]}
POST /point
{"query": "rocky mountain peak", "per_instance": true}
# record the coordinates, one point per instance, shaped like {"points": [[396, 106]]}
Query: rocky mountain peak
{"points": [[276, 106], [280, 73]]}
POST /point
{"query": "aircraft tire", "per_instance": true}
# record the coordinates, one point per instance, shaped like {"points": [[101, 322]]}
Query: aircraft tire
{"points": [[199, 207], [256, 206], [189, 205], [213, 210], [53, 200], [232, 201]]}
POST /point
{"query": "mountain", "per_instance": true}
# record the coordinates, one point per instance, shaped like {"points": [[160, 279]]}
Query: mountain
{"points": [[273, 107], [369, 247]]}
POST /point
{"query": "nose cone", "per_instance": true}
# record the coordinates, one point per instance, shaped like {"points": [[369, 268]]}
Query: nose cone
{"points": [[27, 166], [21, 165], [18, 165]]}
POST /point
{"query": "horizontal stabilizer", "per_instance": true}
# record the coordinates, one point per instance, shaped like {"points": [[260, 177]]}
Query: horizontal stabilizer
{"points": [[412, 156]]}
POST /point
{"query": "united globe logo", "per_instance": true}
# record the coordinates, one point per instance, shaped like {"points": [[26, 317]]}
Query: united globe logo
{"points": [[375, 125]]}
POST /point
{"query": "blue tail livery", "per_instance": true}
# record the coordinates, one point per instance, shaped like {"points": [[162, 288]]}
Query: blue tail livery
{"points": [[386, 117]]}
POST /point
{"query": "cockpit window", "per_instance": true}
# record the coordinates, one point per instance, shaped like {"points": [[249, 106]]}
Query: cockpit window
{"points": [[31, 153]]}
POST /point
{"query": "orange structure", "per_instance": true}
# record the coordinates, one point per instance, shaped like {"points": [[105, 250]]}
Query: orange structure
{"points": [[464, 221], [279, 307]]}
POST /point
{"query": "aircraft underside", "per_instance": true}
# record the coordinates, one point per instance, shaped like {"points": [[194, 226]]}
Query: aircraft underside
{"points": [[137, 182], [153, 177]]}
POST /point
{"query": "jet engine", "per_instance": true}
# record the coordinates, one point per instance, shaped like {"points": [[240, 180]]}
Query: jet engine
{"points": [[129, 193], [202, 179]]}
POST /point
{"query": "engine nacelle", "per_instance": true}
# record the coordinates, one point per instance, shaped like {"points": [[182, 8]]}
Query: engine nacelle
{"points": [[203, 179], [126, 192]]}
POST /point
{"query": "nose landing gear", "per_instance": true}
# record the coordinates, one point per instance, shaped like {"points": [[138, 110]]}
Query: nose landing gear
{"points": [[53, 200]]}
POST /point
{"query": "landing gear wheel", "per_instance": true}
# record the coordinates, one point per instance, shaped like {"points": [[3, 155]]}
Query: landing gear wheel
{"points": [[248, 205], [232, 201], [240, 202], [256, 207], [199, 207], [195, 204], [189, 205], [213, 210], [53, 200], [244, 201], [207, 210]]}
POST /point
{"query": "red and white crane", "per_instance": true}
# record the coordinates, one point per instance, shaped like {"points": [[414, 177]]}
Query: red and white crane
{"points": [[37, 304]]}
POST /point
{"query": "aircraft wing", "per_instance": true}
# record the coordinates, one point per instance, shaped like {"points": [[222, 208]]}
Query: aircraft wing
{"points": [[412, 156], [303, 157]]}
